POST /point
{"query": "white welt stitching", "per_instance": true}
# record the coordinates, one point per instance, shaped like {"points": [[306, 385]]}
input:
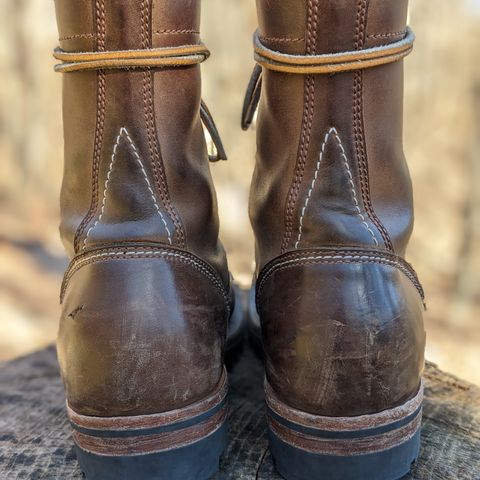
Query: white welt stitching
{"points": [[333, 131], [124, 132]]}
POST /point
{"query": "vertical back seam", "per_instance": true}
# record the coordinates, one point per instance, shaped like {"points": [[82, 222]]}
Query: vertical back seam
{"points": [[307, 123], [100, 28], [359, 130], [149, 112]]}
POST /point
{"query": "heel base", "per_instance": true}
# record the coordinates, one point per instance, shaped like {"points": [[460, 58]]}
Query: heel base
{"points": [[377, 446], [198, 461], [296, 464], [181, 444]]}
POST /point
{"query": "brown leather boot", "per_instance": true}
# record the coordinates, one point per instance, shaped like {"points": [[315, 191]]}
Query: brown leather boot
{"points": [[146, 298], [331, 206]]}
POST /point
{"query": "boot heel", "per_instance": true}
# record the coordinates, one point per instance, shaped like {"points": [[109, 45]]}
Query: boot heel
{"points": [[183, 444], [381, 446]]}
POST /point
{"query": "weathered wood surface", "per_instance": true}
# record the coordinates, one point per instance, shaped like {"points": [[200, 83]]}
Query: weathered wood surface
{"points": [[35, 439]]}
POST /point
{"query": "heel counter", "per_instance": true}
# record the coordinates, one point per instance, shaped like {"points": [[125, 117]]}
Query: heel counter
{"points": [[142, 330], [343, 331]]}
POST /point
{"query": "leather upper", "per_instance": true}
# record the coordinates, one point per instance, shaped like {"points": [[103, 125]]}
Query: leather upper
{"points": [[299, 200], [147, 298], [342, 332], [142, 331], [164, 151]]}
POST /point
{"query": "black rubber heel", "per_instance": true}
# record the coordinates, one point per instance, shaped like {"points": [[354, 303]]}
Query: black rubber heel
{"points": [[198, 461], [181, 444], [297, 464], [380, 446]]}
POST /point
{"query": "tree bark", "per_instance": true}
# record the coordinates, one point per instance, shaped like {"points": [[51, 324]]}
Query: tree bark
{"points": [[35, 439]]}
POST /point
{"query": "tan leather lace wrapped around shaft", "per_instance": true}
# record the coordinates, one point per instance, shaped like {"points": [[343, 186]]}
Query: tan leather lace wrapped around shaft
{"points": [[148, 58], [332, 62], [324, 64], [128, 59]]}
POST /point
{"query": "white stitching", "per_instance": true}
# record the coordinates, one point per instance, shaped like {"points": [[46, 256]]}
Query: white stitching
{"points": [[135, 152], [387, 35], [315, 176], [354, 193], [333, 131], [124, 132], [152, 253], [329, 258]]}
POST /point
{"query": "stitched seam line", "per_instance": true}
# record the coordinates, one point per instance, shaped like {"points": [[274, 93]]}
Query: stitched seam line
{"points": [[281, 39], [101, 24], [153, 147], [107, 181], [172, 31], [340, 259], [156, 159], [77, 35], [334, 131], [144, 253], [341, 251], [360, 22], [387, 35], [100, 20], [352, 187], [137, 156], [307, 123], [358, 128], [314, 180], [124, 132]]}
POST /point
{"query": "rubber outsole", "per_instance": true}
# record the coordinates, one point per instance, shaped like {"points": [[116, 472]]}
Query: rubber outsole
{"points": [[378, 446], [181, 444], [198, 461], [296, 464]]}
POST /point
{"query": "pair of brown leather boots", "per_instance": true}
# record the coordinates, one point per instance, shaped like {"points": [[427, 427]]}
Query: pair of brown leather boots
{"points": [[147, 298]]}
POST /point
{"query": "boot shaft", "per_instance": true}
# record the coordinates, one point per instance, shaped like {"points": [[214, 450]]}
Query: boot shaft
{"points": [[330, 166], [136, 164], [331, 206], [146, 298]]}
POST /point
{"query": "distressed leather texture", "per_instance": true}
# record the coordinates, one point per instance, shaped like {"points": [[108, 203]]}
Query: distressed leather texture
{"points": [[144, 317], [342, 336]]}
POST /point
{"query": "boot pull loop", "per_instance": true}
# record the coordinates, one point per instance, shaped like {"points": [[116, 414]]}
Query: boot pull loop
{"points": [[333, 62], [129, 59], [212, 130], [252, 97]]}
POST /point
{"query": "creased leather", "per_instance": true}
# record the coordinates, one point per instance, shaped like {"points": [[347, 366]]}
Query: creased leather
{"points": [[342, 337], [171, 146], [140, 335], [144, 315]]}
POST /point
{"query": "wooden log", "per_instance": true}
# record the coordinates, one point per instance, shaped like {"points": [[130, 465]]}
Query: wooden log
{"points": [[35, 439]]}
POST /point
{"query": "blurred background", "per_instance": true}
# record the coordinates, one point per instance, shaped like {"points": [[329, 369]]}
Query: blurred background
{"points": [[442, 143]]}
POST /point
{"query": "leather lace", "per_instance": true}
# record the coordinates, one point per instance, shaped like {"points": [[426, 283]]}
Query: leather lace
{"points": [[167, 57], [324, 64], [129, 59]]}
